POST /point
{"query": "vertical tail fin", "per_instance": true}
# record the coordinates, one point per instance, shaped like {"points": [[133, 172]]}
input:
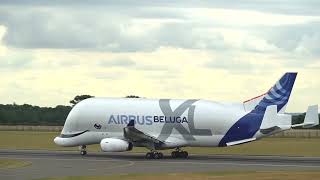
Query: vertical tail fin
{"points": [[279, 94]]}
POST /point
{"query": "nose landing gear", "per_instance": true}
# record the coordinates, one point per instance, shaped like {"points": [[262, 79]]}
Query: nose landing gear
{"points": [[83, 150]]}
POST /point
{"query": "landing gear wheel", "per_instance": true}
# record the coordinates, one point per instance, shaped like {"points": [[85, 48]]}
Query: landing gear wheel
{"points": [[158, 155], [179, 154], [83, 150], [184, 154], [149, 155], [154, 155], [174, 154]]}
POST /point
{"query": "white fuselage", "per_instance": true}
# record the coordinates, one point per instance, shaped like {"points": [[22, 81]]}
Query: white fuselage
{"points": [[181, 122]]}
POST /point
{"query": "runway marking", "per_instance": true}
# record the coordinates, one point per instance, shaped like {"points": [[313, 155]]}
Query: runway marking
{"points": [[171, 162], [131, 163], [246, 164], [97, 160]]}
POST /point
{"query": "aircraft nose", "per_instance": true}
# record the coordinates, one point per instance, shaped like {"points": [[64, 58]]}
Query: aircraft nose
{"points": [[58, 141]]}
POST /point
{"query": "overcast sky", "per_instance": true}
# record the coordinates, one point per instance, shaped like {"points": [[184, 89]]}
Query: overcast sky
{"points": [[230, 51]]}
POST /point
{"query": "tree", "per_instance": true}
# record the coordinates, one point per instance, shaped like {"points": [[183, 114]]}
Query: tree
{"points": [[27, 114], [79, 98], [132, 96]]}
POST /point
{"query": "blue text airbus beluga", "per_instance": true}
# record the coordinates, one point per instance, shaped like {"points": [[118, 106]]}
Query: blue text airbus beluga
{"points": [[119, 124]]}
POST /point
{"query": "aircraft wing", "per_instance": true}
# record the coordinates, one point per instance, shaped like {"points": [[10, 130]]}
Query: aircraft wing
{"points": [[135, 135], [140, 138]]}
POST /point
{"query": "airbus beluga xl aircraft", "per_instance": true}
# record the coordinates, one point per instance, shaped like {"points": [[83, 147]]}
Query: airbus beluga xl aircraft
{"points": [[119, 124]]}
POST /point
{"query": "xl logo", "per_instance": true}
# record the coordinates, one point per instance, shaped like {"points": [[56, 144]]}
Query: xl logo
{"points": [[168, 127]]}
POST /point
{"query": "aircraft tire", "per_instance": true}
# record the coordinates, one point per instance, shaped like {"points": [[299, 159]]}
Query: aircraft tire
{"points": [[149, 155], [160, 155], [174, 154], [179, 154], [184, 154], [156, 155]]}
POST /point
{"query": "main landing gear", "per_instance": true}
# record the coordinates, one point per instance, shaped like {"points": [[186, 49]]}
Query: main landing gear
{"points": [[154, 155], [178, 153], [83, 150]]}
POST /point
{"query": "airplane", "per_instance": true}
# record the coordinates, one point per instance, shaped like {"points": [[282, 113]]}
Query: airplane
{"points": [[119, 124]]}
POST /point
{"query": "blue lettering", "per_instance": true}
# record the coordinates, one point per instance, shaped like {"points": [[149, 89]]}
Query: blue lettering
{"points": [[112, 120], [118, 119], [148, 120], [162, 119], [172, 120], [124, 119], [178, 119], [140, 120], [156, 118], [184, 119]]}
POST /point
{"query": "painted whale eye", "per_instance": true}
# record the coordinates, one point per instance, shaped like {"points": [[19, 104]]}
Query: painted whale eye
{"points": [[97, 126]]}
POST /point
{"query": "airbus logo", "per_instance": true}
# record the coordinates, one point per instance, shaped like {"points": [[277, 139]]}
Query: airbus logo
{"points": [[146, 120]]}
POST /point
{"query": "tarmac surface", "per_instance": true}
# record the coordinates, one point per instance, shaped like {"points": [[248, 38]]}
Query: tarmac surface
{"points": [[62, 163]]}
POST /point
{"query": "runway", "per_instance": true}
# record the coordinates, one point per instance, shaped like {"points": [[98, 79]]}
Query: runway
{"points": [[61, 163]]}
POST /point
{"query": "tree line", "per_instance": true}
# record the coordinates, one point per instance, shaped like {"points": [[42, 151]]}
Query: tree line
{"points": [[26, 114]]}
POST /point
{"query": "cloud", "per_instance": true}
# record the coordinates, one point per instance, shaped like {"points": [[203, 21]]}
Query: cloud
{"points": [[109, 75], [309, 45], [16, 61], [119, 28], [3, 49], [298, 39], [120, 62], [180, 49], [309, 7], [100, 31], [231, 65]]}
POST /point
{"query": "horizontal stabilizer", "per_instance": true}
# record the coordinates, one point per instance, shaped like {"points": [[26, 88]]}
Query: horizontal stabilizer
{"points": [[269, 118], [274, 122], [311, 119], [240, 141]]}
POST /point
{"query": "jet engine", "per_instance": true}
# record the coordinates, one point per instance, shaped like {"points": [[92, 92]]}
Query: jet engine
{"points": [[115, 145]]}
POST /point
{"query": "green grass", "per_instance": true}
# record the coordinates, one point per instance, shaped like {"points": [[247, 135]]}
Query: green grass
{"points": [[10, 163], [29, 140], [275, 175], [267, 146]]}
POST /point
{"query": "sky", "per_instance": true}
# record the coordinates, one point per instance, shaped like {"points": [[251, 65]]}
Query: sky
{"points": [[51, 51]]}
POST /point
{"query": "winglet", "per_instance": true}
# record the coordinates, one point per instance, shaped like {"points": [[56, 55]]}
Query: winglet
{"points": [[131, 123]]}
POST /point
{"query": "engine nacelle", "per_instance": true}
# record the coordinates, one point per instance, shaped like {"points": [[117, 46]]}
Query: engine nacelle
{"points": [[115, 145]]}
